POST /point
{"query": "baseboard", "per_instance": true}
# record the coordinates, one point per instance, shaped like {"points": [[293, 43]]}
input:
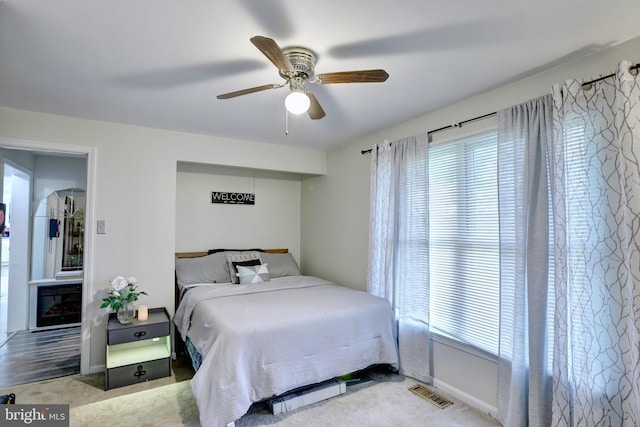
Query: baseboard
{"points": [[467, 398], [97, 368]]}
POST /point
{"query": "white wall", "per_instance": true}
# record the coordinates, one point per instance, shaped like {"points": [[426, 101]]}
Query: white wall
{"points": [[18, 275], [23, 159], [53, 172], [272, 222], [16, 317], [335, 220], [336, 206], [134, 182]]}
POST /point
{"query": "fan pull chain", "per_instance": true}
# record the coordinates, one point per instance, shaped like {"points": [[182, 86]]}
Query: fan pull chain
{"points": [[286, 122]]}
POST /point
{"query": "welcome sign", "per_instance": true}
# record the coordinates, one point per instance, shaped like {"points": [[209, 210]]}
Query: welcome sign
{"points": [[233, 198]]}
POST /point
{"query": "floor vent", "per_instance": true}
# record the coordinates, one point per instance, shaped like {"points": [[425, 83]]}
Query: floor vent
{"points": [[430, 396]]}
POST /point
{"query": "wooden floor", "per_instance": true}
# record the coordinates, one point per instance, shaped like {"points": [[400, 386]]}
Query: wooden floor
{"points": [[34, 356]]}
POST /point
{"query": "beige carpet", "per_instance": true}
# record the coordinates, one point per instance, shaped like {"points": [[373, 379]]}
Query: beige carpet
{"points": [[169, 405], [376, 404], [384, 401]]}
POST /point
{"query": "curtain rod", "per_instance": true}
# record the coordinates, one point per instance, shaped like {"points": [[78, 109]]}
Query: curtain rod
{"points": [[453, 125], [585, 85]]}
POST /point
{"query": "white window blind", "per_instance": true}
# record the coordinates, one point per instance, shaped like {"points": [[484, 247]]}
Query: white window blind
{"points": [[464, 267]]}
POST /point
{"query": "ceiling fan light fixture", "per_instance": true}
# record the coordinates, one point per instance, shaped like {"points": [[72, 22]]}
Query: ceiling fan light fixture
{"points": [[296, 65], [297, 102]]}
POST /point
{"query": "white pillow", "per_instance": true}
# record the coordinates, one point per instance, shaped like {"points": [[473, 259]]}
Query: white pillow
{"points": [[253, 274], [207, 269], [244, 258]]}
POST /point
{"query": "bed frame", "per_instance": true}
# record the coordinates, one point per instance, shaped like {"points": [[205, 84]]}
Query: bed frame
{"points": [[205, 253]]}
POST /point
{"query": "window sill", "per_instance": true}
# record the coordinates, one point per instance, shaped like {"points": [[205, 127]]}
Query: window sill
{"points": [[444, 339]]}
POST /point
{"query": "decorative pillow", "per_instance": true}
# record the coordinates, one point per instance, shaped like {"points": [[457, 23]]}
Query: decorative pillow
{"points": [[247, 263], [253, 274], [206, 269], [243, 257], [280, 264]]}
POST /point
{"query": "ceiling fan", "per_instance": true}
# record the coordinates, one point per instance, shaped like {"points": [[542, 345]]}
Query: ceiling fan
{"points": [[296, 65]]}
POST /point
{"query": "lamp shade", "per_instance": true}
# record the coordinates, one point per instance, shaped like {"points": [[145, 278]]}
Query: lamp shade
{"points": [[297, 102]]}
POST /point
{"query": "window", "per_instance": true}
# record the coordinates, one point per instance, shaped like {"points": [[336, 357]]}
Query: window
{"points": [[464, 250]]}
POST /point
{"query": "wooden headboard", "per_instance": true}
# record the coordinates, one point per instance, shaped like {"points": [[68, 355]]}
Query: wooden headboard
{"points": [[205, 253]]}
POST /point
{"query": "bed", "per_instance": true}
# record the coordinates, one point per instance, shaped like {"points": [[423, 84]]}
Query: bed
{"points": [[255, 328]]}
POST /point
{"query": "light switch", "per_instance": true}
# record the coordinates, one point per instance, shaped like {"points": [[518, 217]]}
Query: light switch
{"points": [[102, 227]]}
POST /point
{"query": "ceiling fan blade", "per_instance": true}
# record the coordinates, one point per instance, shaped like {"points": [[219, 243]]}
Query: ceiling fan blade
{"points": [[362, 76], [271, 50], [315, 111], [248, 91]]}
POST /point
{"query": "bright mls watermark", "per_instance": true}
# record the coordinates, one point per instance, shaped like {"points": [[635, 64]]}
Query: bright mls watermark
{"points": [[34, 415]]}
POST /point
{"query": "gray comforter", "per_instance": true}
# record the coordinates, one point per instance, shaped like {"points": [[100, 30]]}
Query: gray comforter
{"points": [[262, 340]]}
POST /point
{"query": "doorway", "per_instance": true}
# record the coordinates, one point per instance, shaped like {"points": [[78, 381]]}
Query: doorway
{"points": [[16, 186], [35, 156]]}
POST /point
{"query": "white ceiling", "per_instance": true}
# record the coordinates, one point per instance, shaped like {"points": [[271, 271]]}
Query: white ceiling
{"points": [[161, 63]]}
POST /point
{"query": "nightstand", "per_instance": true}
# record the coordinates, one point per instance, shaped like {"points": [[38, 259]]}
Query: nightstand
{"points": [[138, 351]]}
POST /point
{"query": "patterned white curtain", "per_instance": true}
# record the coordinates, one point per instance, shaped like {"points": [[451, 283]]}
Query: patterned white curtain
{"points": [[596, 200], [398, 245], [526, 297]]}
